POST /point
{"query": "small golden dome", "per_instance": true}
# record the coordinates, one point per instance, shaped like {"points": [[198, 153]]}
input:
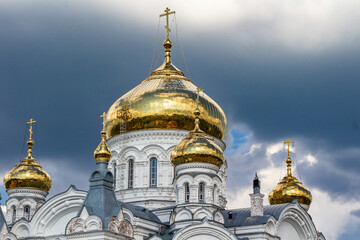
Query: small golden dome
{"points": [[28, 173], [102, 153], [197, 146], [289, 188], [165, 100]]}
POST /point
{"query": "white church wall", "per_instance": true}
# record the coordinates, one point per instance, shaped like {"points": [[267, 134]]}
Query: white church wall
{"points": [[287, 231], [53, 216], [204, 231], [296, 217]]}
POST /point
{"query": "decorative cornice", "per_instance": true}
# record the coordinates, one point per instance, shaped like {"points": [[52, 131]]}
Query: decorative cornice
{"points": [[21, 192], [195, 165]]}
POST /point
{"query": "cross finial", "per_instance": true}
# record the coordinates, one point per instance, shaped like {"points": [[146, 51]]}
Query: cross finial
{"points": [[167, 13], [31, 122], [288, 160], [198, 90], [103, 116], [288, 141]]}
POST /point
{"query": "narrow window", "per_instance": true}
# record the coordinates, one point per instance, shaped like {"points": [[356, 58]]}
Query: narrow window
{"points": [[215, 195], [153, 172], [187, 192], [201, 192], [131, 173], [13, 214], [114, 166], [27, 212]]}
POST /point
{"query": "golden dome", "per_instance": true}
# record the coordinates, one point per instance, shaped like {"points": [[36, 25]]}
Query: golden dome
{"points": [[28, 173], [197, 146], [165, 100], [289, 188], [102, 153]]}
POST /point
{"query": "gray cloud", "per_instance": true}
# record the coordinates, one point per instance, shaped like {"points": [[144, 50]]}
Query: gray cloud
{"points": [[64, 63]]}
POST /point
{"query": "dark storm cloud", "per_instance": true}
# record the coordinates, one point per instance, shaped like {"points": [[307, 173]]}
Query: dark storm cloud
{"points": [[64, 70]]}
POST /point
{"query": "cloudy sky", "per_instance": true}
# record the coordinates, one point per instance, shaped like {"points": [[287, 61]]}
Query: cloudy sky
{"points": [[279, 69]]}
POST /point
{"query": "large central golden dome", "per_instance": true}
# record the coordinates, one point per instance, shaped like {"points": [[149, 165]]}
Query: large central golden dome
{"points": [[165, 100]]}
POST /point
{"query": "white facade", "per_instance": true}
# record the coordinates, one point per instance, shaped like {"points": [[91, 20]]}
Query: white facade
{"points": [[186, 203], [141, 147]]}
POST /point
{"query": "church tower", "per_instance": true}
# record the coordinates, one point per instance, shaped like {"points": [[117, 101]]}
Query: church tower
{"points": [[145, 124], [197, 160], [27, 185]]}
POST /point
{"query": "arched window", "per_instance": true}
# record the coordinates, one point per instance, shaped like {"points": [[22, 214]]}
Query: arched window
{"points": [[131, 173], [114, 166], [13, 214], [201, 192], [215, 194], [153, 172], [27, 212], [187, 192]]}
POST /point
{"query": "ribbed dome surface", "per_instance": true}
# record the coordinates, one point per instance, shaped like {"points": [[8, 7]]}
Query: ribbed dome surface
{"points": [[28, 174], [166, 100], [289, 189], [197, 146]]}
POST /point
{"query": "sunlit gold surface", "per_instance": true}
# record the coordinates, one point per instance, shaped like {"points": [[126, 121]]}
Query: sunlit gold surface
{"points": [[197, 146], [102, 153], [166, 102], [28, 173], [289, 188]]}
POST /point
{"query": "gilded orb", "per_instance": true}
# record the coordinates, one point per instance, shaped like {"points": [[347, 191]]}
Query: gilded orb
{"points": [[165, 100], [102, 153], [197, 146], [28, 174], [289, 189]]}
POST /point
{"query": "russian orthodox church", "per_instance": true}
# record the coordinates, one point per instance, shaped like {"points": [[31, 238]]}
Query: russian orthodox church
{"points": [[160, 174]]}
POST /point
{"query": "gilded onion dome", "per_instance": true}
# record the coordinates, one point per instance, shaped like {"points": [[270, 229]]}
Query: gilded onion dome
{"points": [[290, 188], [165, 100], [197, 146], [28, 173], [102, 153]]}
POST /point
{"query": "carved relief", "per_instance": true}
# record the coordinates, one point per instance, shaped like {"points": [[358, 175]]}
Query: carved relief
{"points": [[78, 224], [120, 226]]}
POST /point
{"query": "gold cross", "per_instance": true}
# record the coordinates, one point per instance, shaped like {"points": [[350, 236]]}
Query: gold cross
{"points": [[31, 126], [167, 13], [288, 148], [103, 116], [198, 90]]}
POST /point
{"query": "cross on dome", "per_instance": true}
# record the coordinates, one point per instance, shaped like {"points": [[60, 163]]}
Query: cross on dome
{"points": [[288, 141], [31, 122], [104, 118], [288, 160], [167, 13]]}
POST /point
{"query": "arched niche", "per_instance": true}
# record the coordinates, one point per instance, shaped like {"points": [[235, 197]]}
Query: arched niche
{"points": [[53, 217], [183, 215], [204, 231]]}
